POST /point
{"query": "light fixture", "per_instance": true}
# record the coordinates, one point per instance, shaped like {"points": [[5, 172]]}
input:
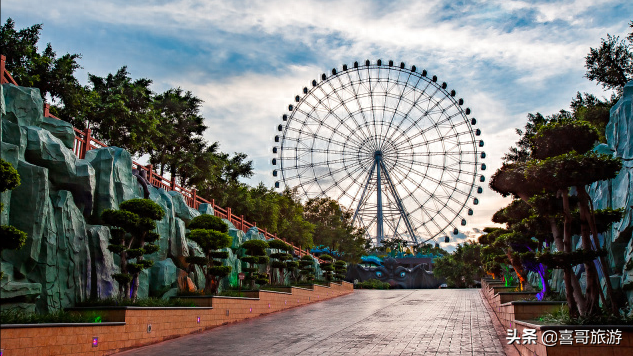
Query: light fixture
{"points": [[95, 343]]}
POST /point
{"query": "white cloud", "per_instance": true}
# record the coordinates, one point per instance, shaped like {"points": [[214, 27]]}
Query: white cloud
{"points": [[502, 72]]}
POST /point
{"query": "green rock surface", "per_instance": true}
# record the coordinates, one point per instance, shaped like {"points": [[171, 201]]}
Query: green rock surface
{"points": [[66, 258]]}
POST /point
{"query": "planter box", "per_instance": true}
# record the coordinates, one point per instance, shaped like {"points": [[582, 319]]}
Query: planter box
{"points": [[506, 297], [140, 326], [521, 315]]}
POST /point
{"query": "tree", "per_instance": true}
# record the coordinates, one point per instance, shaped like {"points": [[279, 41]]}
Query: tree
{"points": [[132, 237], [12, 238], [306, 265], [255, 251], [281, 258], [52, 75], [558, 159], [611, 64], [334, 229], [462, 267], [210, 233], [121, 114], [340, 269], [327, 267], [180, 127]]}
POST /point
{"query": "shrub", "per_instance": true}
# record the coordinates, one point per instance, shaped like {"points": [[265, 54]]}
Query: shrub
{"points": [[372, 284], [210, 232]]}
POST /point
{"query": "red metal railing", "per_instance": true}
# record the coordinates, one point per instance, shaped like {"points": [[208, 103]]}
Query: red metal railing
{"points": [[84, 142]]}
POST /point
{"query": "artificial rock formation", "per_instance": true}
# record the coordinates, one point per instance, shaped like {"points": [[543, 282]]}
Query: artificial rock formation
{"points": [[66, 258]]}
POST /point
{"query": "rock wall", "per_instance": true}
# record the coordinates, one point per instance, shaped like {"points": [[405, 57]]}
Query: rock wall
{"points": [[618, 193], [65, 259]]}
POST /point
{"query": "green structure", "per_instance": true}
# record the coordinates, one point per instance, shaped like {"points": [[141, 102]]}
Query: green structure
{"points": [[66, 259]]}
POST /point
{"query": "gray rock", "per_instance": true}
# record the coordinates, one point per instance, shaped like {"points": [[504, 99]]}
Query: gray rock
{"points": [[23, 106], [67, 171], [162, 276], [181, 209], [102, 265], [114, 182], [60, 129]]}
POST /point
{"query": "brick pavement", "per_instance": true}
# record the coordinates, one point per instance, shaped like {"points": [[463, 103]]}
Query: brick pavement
{"points": [[367, 322]]}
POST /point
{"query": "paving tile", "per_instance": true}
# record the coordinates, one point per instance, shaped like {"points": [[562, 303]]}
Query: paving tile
{"points": [[393, 322]]}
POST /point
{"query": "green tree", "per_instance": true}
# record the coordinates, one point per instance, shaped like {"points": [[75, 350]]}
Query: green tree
{"points": [[340, 269], [306, 267], [334, 229], [210, 233], [180, 127], [327, 267], [611, 64], [255, 256], [52, 75], [132, 237], [461, 268], [281, 258]]}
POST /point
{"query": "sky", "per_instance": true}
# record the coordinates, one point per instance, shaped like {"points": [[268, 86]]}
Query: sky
{"points": [[248, 59]]}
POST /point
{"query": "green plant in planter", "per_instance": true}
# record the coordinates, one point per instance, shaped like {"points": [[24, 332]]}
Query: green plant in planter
{"points": [[292, 267], [327, 267], [280, 257], [132, 237], [210, 233], [306, 265], [255, 256], [12, 238], [340, 269]]}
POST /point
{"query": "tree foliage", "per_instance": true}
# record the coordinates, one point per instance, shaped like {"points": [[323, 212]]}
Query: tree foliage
{"points": [[131, 238], [210, 233], [461, 268]]}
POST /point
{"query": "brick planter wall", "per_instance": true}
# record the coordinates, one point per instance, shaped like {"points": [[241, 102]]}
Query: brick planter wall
{"points": [[516, 315], [131, 326]]}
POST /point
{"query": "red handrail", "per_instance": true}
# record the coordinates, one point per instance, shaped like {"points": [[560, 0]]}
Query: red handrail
{"points": [[84, 142]]}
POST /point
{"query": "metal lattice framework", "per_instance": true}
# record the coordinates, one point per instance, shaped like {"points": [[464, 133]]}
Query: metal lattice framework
{"points": [[387, 142]]}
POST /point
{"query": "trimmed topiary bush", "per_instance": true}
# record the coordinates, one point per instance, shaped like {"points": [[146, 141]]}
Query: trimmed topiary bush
{"points": [[210, 233], [255, 255], [132, 237]]}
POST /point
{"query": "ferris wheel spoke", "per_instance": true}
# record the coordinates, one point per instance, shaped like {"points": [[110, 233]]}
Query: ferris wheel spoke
{"points": [[332, 130], [445, 168], [438, 211], [331, 111], [315, 136], [400, 100]]}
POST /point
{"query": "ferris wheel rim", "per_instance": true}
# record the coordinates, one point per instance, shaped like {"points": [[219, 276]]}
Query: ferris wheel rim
{"points": [[361, 133]]}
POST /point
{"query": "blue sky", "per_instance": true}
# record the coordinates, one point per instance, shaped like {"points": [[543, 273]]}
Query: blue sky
{"points": [[247, 59]]}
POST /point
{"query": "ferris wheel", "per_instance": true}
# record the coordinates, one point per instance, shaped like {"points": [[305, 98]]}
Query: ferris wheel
{"points": [[389, 143]]}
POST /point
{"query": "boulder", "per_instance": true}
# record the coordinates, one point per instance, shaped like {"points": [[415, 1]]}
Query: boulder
{"points": [[114, 182], [67, 172], [63, 130], [22, 105], [181, 209], [162, 276], [102, 264]]}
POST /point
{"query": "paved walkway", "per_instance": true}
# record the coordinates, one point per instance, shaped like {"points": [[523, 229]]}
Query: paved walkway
{"points": [[367, 322]]}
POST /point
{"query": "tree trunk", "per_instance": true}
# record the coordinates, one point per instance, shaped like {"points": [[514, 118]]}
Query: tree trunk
{"points": [[586, 213]]}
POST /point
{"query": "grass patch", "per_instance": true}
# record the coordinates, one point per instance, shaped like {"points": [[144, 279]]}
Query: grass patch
{"points": [[372, 284], [235, 293], [561, 317], [141, 302], [21, 317]]}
